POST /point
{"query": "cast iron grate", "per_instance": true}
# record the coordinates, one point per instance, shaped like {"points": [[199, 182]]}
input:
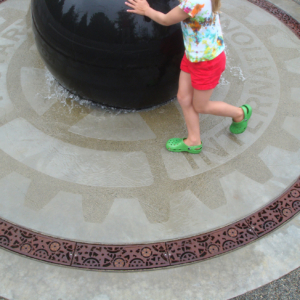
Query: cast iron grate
{"points": [[41, 247], [276, 213], [128, 257], [210, 244]]}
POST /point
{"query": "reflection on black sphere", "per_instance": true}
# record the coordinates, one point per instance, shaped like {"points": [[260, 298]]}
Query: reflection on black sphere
{"points": [[103, 53]]}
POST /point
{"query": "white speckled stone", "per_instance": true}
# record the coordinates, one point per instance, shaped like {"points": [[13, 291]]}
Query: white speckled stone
{"points": [[115, 127], [293, 65], [292, 125], [281, 40], [295, 93], [53, 157]]}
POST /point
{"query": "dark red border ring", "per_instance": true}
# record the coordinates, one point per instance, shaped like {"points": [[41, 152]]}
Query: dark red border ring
{"points": [[165, 254]]}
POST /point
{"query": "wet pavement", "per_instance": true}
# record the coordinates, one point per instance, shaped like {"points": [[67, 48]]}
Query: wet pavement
{"points": [[81, 172]]}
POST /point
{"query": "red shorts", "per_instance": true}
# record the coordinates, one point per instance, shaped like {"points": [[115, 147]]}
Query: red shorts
{"points": [[205, 75]]}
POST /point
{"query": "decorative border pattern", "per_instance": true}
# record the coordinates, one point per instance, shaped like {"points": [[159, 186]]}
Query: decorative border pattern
{"points": [[280, 14], [210, 244], [129, 257], [158, 255]]}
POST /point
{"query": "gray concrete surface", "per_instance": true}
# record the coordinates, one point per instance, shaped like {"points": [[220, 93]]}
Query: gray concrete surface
{"points": [[53, 148], [285, 288]]}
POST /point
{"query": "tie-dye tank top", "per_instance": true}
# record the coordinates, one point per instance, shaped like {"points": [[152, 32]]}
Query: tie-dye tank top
{"points": [[202, 33]]}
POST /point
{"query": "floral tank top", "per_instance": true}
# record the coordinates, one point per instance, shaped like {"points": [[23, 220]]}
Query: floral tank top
{"points": [[202, 33]]}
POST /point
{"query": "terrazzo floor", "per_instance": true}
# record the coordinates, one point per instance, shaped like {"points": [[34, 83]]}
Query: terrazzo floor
{"points": [[75, 171]]}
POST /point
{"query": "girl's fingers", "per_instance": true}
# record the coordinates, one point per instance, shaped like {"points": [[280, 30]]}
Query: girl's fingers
{"points": [[130, 5], [137, 5]]}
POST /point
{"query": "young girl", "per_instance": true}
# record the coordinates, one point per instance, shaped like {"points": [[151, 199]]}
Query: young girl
{"points": [[201, 67]]}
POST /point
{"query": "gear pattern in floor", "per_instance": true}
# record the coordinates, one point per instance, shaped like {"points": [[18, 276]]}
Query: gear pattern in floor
{"points": [[158, 255]]}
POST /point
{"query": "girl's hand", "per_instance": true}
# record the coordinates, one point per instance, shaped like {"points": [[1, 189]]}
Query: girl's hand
{"points": [[138, 6]]}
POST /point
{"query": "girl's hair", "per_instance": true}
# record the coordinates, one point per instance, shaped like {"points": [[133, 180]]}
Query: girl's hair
{"points": [[216, 5]]}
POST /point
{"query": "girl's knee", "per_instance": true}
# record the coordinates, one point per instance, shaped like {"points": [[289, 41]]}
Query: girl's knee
{"points": [[201, 108], [184, 100]]}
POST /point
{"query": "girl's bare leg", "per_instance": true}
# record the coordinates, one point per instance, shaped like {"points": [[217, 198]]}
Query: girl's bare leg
{"points": [[203, 105], [185, 98], [194, 101]]}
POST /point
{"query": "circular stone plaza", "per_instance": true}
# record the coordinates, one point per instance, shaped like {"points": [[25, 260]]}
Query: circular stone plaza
{"points": [[92, 205]]}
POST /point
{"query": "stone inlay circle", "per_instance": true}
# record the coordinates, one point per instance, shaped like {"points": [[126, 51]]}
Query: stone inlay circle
{"points": [[232, 232], [55, 246], [213, 249], [156, 255], [295, 194], [26, 248], [296, 204], [4, 241], [287, 212], [119, 263], [146, 252]]}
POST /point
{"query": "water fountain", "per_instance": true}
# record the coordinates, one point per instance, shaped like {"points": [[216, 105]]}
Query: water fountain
{"points": [[102, 53]]}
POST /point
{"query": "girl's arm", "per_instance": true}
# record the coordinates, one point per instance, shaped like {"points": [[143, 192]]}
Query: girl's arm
{"points": [[141, 7]]}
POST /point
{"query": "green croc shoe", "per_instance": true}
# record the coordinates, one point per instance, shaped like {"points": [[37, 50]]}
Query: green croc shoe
{"points": [[240, 127], [178, 145]]}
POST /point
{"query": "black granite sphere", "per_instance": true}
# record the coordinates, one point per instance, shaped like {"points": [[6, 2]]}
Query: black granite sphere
{"points": [[98, 50]]}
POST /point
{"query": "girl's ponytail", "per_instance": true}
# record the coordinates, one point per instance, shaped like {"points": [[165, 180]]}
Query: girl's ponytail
{"points": [[216, 5]]}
